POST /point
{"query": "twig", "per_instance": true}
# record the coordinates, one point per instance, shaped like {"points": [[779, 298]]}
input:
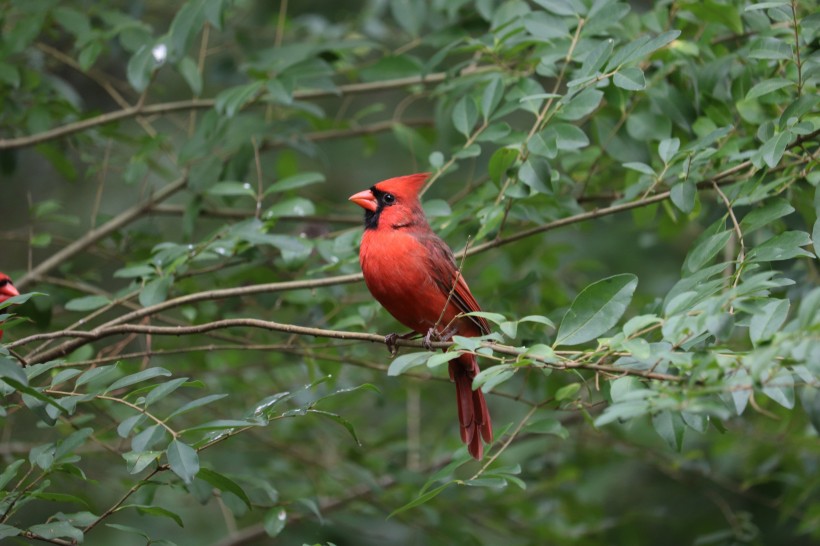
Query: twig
{"points": [[107, 331], [202, 104], [506, 443], [94, 235]]}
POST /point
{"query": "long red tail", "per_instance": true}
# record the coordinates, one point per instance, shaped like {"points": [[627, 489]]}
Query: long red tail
{"points": [[473, 416]]}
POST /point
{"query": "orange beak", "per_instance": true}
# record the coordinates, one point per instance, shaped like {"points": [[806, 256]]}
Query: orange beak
{"points": [[365, 199], [7, 291]]}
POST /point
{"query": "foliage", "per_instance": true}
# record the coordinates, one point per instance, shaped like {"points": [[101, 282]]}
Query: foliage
{"points": [[636, 188]]}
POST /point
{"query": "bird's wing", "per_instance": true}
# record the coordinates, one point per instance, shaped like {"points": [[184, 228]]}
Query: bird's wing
{"points": [[443, 263]]}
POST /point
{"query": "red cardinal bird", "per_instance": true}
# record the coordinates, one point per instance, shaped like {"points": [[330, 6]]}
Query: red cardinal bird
{"points": [[7, 291], [411, 272]]}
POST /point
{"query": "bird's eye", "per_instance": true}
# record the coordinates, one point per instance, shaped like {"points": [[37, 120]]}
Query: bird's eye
{"points": [[4, 282], [389, 199]]}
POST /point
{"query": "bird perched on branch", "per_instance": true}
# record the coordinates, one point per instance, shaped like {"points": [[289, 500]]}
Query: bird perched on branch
{"points": [[7, 290], [413, 274]]}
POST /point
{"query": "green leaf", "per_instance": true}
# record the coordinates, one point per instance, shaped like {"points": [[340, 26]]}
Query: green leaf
{"points": [[186, 25], [138, 377], [667, 149], [296, 181], [581, 105], [780, 388], [152, 510], [596, 309], [87, 303], [337, 418], [183, 460], [274, 521], [684, 195], [421, 499], [548, 425], [771, 49], [194, 404], [562, 7], [569, 137], [140, 68], [156, 291], [567, 391], [766, 5], [766, 322], [403, 363], [669, 426], [136, 462], [491, 98], [12, 370], [765, 215], [773, 149], [465, 115], [491, 377], [640, 48], [545, 27], [57, 529], [231, 100], [190, 73], [595, 59], [232, 189], [640, 167], [630, 78], [782, 247], [7, 531], [164, 389], [535, 172], [440, 358], [705, 250], [223, 483], [768, 86]]}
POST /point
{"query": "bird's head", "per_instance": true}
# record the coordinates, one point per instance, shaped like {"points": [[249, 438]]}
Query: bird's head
{"points": [[7, 289], [394, 201]]}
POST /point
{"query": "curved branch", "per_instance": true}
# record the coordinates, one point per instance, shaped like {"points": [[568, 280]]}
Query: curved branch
{"points": [[107, 331], [94, 235]]}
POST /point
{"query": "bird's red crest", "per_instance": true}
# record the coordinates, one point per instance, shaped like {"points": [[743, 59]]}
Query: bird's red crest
{"points": [[407, 186]]}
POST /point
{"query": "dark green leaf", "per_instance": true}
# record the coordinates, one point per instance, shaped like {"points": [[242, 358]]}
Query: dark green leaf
{"points": [[156, 291], [596, 309], [231, 101], [57, 529], [785, 246], [465, 115], [138, 377], [403, 363], [630, 78], [183, 460], [275, 520], [223, 483]]}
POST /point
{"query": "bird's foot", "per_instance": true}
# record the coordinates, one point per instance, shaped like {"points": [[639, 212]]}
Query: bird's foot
{"points": [[432, 335], [391, 339]]}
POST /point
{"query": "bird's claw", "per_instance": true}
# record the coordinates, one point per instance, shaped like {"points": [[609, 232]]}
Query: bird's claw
{"points": [[432, 335], [390, 341]]}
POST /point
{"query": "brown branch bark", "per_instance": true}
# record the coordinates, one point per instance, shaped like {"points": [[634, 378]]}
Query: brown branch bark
{"points": [[107, 331]]}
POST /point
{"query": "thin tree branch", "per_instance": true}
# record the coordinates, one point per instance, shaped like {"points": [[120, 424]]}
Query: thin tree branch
{"points": [[92, 236], [239, 214], [107, 331], [201, 104]]}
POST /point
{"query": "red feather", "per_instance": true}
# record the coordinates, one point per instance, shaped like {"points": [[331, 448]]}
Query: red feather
{"points": [[411, 272], [7, 290]]}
